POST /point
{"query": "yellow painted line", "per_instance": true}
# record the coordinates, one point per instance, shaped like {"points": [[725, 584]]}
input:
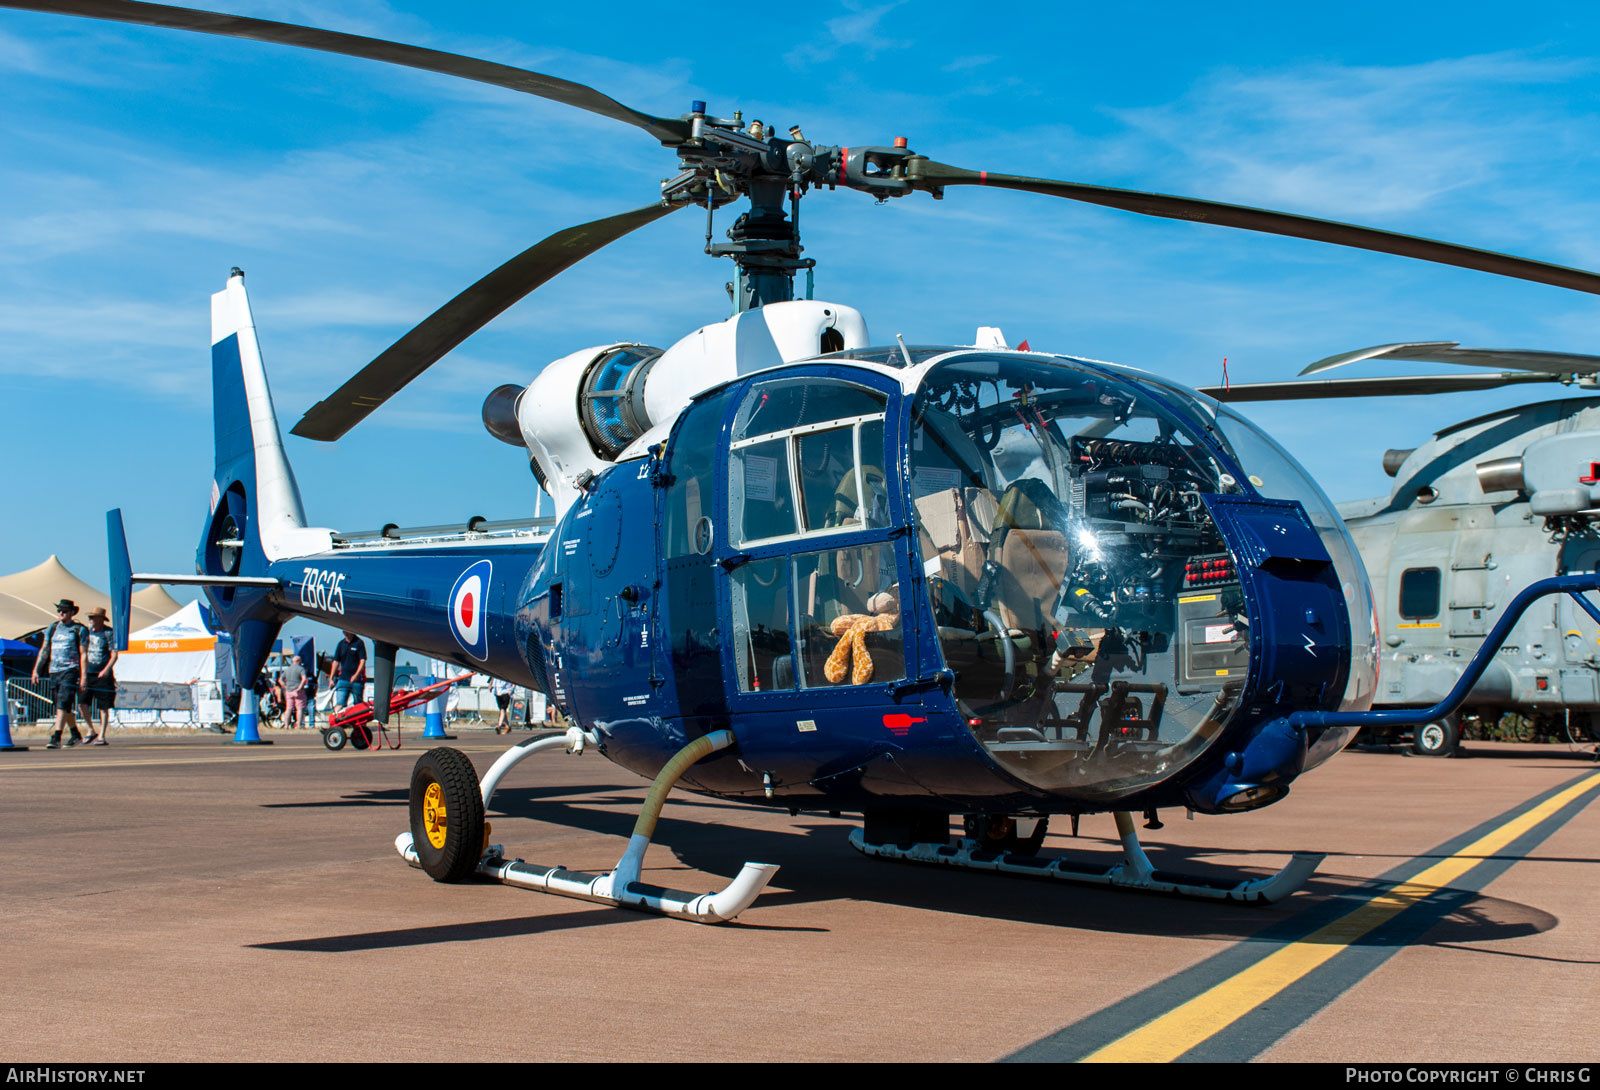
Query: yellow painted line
{"points": [[1197, 598], [1189, 1025], [1426, 624]]}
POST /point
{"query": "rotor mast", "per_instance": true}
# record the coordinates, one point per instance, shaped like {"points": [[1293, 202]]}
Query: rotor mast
{"points": [[724, 160], [765, 246]]}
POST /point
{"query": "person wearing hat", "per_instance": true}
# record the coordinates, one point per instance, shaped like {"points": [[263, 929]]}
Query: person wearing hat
{"points": [[63, 649], [99, 694]]}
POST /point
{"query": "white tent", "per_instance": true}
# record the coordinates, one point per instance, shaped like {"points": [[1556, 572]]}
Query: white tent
{"points": [[183, 652], [181, 647], [28, 598]]}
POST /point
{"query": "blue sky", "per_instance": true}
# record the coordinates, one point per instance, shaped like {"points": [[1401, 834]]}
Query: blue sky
{"points": [[139, 165]]}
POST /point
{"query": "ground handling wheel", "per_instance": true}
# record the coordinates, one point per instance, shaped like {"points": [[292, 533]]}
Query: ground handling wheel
{"points": [[361, 736], [447, 827], [334, 738], [1439, 738]]}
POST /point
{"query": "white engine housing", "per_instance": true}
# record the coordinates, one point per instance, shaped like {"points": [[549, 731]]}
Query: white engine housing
{"points": [[550, 413]]}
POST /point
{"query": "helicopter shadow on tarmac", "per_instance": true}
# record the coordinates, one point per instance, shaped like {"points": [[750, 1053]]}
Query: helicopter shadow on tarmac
{"points": [[1558, 761], [818, 865], [1556, 758], [433, 934], [400, 796]]}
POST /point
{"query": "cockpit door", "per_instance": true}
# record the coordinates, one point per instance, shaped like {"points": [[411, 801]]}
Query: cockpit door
{"points": [[688, 640], [818, 587]]}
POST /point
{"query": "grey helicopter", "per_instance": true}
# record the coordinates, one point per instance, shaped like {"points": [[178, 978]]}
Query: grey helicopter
{"points": [[1478, 512]]}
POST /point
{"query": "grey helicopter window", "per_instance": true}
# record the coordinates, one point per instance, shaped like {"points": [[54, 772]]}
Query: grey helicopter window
{"points": [[1083, 597], [1419, 593], [807, 457]]}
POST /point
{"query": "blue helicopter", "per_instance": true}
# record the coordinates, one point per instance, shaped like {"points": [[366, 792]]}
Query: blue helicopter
{"points": [[794, 567]]}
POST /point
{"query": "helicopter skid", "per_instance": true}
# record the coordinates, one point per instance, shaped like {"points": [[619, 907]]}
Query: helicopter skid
{"points": [[1133, 874], [719, 907], [620, 887]]}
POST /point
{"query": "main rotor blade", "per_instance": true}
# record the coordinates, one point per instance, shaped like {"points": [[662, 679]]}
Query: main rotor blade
{"points": [[1386, 386], [1549, 363], [667, 130], [461, 317], [927, 174]]}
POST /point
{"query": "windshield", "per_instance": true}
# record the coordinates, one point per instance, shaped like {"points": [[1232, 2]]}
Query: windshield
{"points": [[1275, 473], [1083, 595]]}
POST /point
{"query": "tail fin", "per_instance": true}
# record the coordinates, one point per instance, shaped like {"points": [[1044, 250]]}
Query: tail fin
{"points": [[256, 513]]}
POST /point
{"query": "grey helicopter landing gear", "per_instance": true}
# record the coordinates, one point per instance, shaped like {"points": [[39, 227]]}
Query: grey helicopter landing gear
{"points": [[449, 836], [1440, 738], [1135, 872]]}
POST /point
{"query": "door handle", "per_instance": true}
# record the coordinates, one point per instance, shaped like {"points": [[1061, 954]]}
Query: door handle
{"points": [[944, 679]]}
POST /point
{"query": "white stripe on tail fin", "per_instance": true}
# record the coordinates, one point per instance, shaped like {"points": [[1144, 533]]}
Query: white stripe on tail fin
{"points": [[247, 433]]}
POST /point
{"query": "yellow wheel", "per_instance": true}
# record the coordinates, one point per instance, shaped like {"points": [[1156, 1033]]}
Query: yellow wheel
{"points": [[447, 827]]}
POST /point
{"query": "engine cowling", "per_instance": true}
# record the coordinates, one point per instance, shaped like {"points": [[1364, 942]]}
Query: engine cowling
{"points": [[586, 410]]}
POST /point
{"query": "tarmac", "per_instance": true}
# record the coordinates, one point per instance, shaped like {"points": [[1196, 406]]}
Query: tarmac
{"points": [[177, 899]]}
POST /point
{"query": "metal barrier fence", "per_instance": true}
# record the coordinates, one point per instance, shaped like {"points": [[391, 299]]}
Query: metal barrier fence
{"points": [[182, 704], [168, 704], [31, 700]]}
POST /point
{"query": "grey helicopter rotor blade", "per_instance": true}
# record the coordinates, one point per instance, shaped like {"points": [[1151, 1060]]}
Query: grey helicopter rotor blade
{"points": [[668, 130], [462, 316], [930, 175], [1382, 386], [1549, 363]]}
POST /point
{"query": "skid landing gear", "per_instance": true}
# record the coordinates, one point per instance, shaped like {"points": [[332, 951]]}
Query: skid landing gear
{"points": [[444, 804], [1134, 872]]}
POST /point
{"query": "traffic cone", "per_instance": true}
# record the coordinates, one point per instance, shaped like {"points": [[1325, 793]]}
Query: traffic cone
{"points": [[247, 733], [433, 720]]}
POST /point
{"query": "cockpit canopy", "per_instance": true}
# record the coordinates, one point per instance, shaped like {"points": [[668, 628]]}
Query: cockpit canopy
{"points": [[1083, 594], [1078, 585]]}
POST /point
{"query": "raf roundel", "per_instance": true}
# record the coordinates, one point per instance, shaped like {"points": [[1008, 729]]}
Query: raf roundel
{"points": [[467, 612]]}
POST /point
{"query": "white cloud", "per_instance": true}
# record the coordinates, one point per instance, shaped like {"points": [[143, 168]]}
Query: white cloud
{"points": [[1360, 141], [20, 55], [857, 30]]}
